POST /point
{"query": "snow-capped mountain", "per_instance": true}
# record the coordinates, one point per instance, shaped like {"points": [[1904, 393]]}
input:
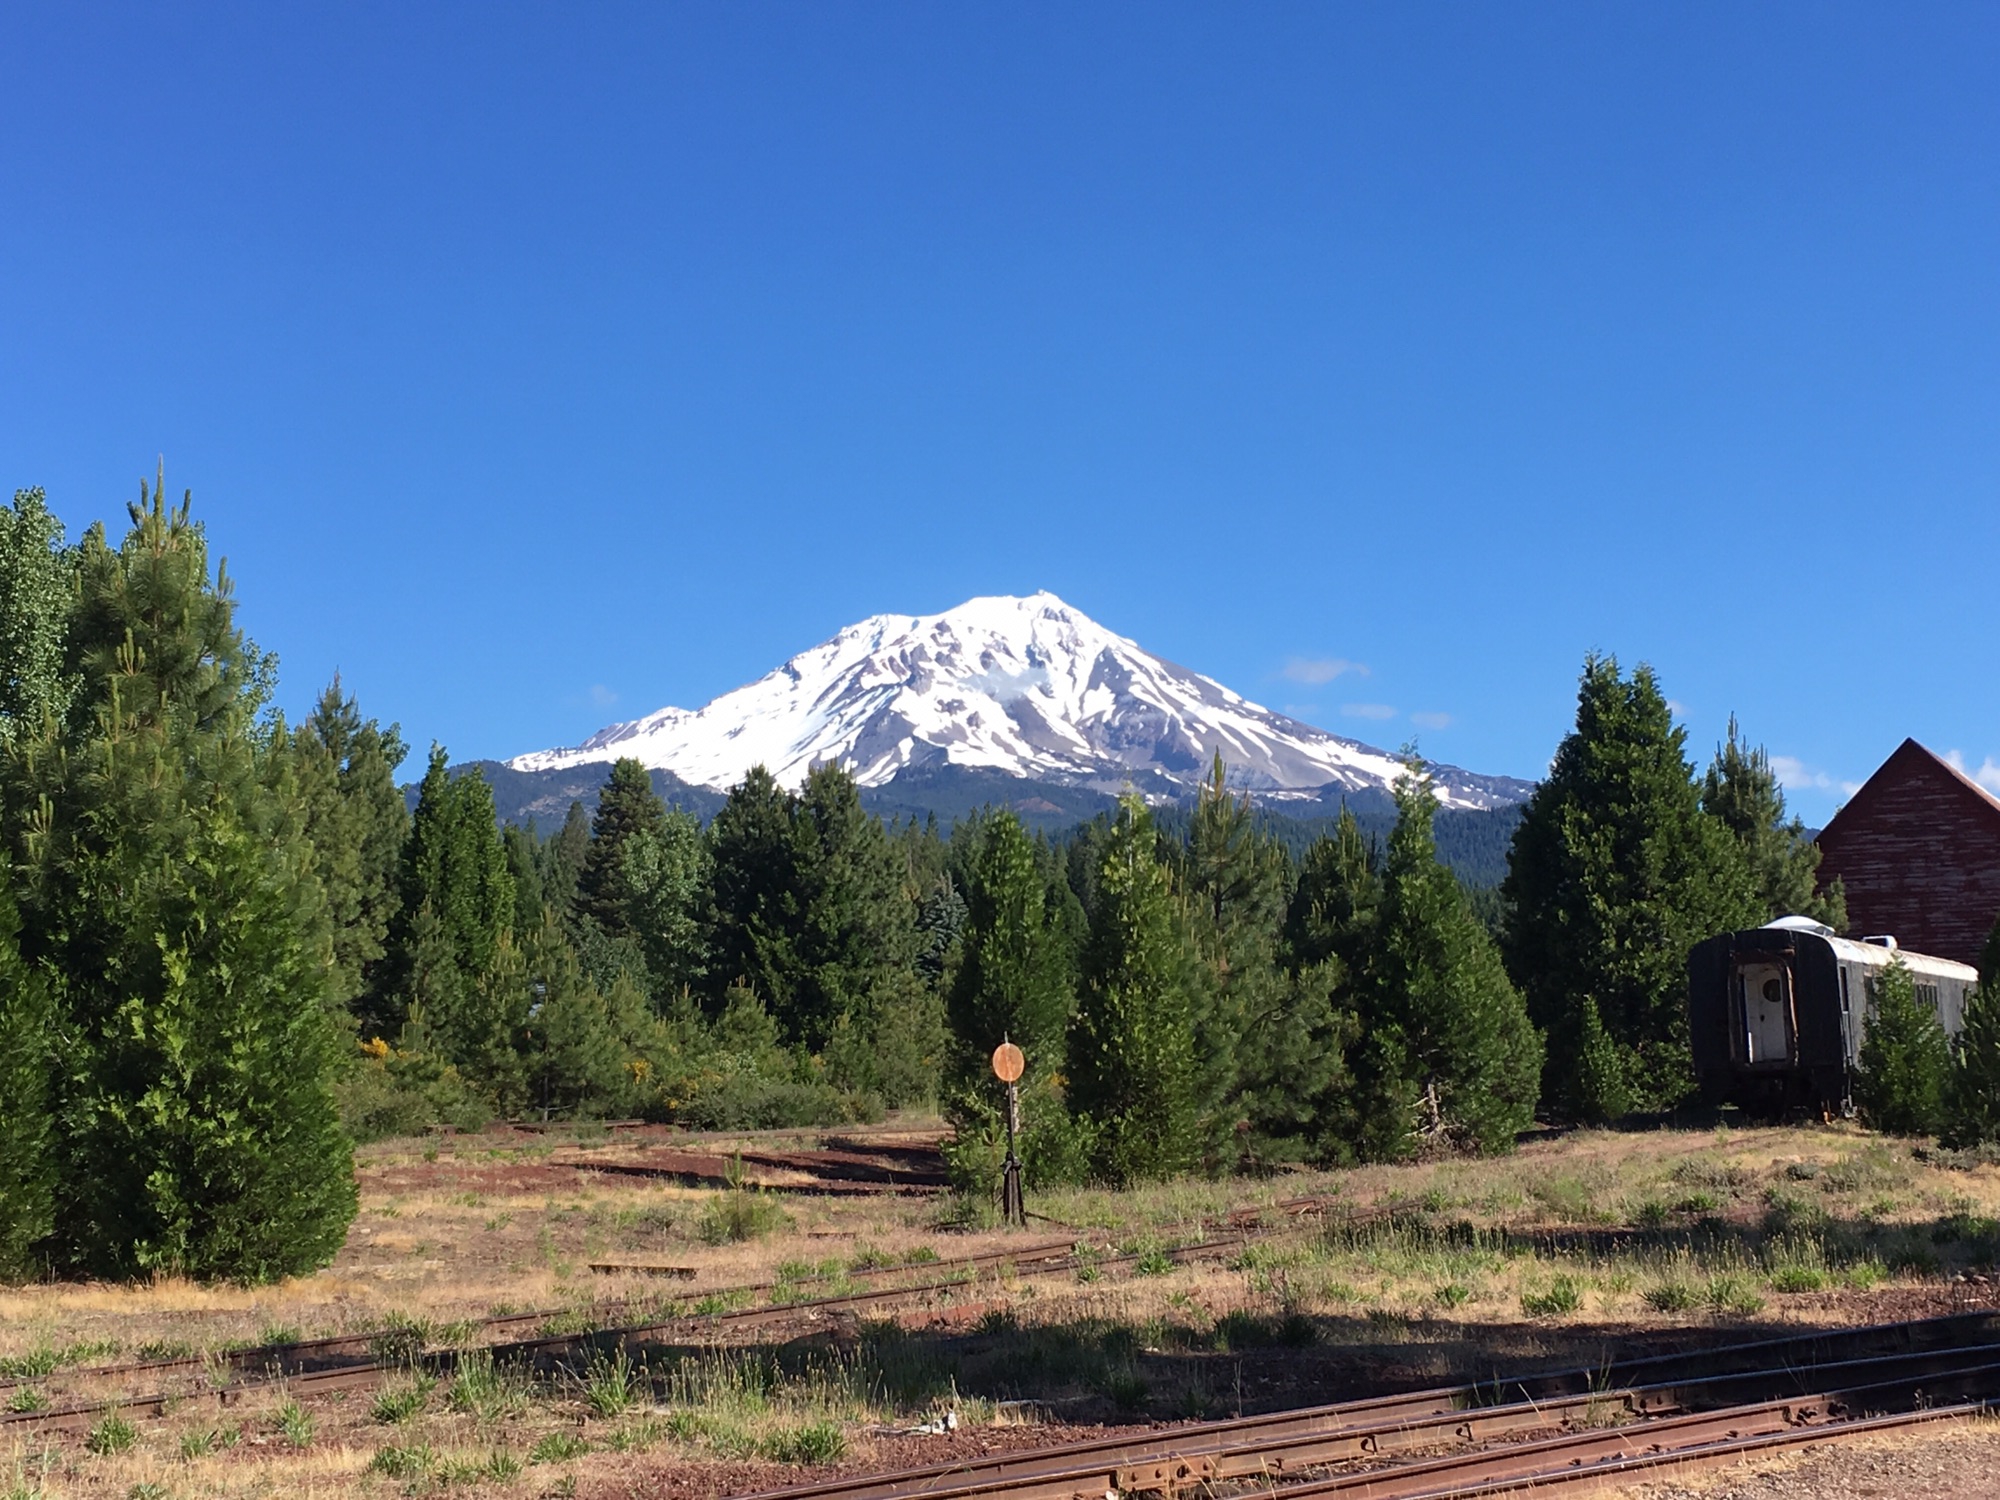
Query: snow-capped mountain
{"points": [[1029, 687]]}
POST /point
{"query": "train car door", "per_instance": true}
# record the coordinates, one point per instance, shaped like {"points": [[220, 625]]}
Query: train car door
{"points": [[1767, 1012]]}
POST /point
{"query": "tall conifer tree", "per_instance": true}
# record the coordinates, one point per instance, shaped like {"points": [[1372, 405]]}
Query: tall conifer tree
{"points": [[1742, 791], [166, 893], [355, 820], [1015, 977], [628, 809], [1614, 874], [1468, 1059], [757, 904], [1132, 1064]]}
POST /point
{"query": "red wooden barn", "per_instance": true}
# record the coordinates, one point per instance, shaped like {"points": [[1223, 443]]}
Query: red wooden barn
{"points": [[1918, 848]]}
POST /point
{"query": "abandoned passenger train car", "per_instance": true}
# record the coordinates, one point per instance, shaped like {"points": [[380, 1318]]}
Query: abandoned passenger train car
{"points": [[1777, 1014]]}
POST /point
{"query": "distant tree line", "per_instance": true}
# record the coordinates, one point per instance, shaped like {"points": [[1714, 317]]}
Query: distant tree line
{"points": [[228, 950]]}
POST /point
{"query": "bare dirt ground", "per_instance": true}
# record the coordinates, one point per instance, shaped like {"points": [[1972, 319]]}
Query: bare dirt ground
{"points": [[1578, 1248]]}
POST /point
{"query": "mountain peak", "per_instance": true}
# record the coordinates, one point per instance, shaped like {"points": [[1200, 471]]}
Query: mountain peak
{"points": [[1026, 685]]}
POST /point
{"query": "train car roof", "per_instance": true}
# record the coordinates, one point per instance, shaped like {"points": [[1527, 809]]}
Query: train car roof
{"points": [[1877, 954]]}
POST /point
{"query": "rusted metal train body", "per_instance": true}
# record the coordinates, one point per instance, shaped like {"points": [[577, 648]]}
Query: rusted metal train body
{"points": [[1777, 1014]]}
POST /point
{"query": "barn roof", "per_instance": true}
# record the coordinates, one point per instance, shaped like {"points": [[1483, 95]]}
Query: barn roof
{"points": [[1911, 758]]}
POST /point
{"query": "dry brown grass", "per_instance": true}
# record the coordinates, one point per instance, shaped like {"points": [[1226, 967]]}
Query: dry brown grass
{"points": [[1484, 1265]]}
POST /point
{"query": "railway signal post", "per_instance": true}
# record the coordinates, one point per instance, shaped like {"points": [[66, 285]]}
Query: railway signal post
{"points": [[1008, 1065]]}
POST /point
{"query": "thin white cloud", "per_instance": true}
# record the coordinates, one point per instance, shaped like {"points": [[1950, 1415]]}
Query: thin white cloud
{"points": [[1794, 775], [1318, 669], [601, 695], [1431, 721], [1677, 708], [1988, 774], [1368, 710]]}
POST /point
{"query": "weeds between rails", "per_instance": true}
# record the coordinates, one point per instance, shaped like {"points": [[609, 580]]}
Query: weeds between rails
{"points": [[1049, 1258], [1771, 1391]]}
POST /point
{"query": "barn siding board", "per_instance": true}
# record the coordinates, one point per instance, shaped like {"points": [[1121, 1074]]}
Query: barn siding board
{"points": [[1918, 850]]}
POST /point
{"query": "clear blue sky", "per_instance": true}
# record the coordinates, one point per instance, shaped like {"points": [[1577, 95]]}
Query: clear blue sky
{"points": [[539, 365]]}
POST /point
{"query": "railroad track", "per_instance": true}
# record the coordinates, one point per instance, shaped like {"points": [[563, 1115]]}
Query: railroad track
{"points": [[316, 1366], [1534, 1432]]}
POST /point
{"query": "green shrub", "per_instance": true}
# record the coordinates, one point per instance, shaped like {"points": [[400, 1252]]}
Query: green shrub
{"points": [[1905, 1059]]}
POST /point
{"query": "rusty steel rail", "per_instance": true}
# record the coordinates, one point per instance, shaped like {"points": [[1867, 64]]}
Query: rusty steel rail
{"points": [[1282, 1444]]}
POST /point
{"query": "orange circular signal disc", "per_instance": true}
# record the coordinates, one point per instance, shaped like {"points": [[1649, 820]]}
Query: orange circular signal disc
{"points": [[1008, 1063]]}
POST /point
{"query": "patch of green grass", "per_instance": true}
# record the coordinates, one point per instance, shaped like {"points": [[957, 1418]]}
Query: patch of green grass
{"points": [[808, 1443], [486, 1392], [740, 1214], [403, 1400], [1154, 1262], [1562, 1296], [1672, 1297], [1733, 1294], [637, 1437], [112, 1434], [558, 1448], [609, 1383], [1650, 1213], [416, 1461], [295, 1423], [278, 1333], [27, 1398], [1452, 1294]]}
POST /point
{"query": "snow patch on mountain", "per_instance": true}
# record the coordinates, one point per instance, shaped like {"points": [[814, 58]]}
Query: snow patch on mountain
{"points": [[1026, 686]]}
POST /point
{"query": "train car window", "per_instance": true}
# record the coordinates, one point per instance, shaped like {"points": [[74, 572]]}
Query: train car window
{"points": [[1844, 1008], [1927, 994]]}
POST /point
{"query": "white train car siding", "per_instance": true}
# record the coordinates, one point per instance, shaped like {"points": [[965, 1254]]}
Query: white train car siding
{"points": [[1941, 984]]}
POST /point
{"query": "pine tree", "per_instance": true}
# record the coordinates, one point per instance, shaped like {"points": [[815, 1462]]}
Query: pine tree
{"points": [[37, 574], [562, 860], [859, 997], [628, 809], [1905, 1059], [1014, 979], [1439, 998], [1972, 1092], [355, 820], [1132, 1063], [1615, 873], [1272, 1033], [1742, 791], [455, 863], [1337, 901], [167, 893], [757, 909], [666, 885], [27, 1056]]}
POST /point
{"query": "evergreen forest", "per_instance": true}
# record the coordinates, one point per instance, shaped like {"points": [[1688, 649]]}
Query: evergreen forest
{"points": [[231, 947]]}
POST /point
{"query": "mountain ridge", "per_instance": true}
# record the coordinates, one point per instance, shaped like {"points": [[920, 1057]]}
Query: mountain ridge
{"points": [[1023, 686]]}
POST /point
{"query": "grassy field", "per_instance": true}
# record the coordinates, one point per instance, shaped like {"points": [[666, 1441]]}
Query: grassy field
{"points": [[1578, 1244]]}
